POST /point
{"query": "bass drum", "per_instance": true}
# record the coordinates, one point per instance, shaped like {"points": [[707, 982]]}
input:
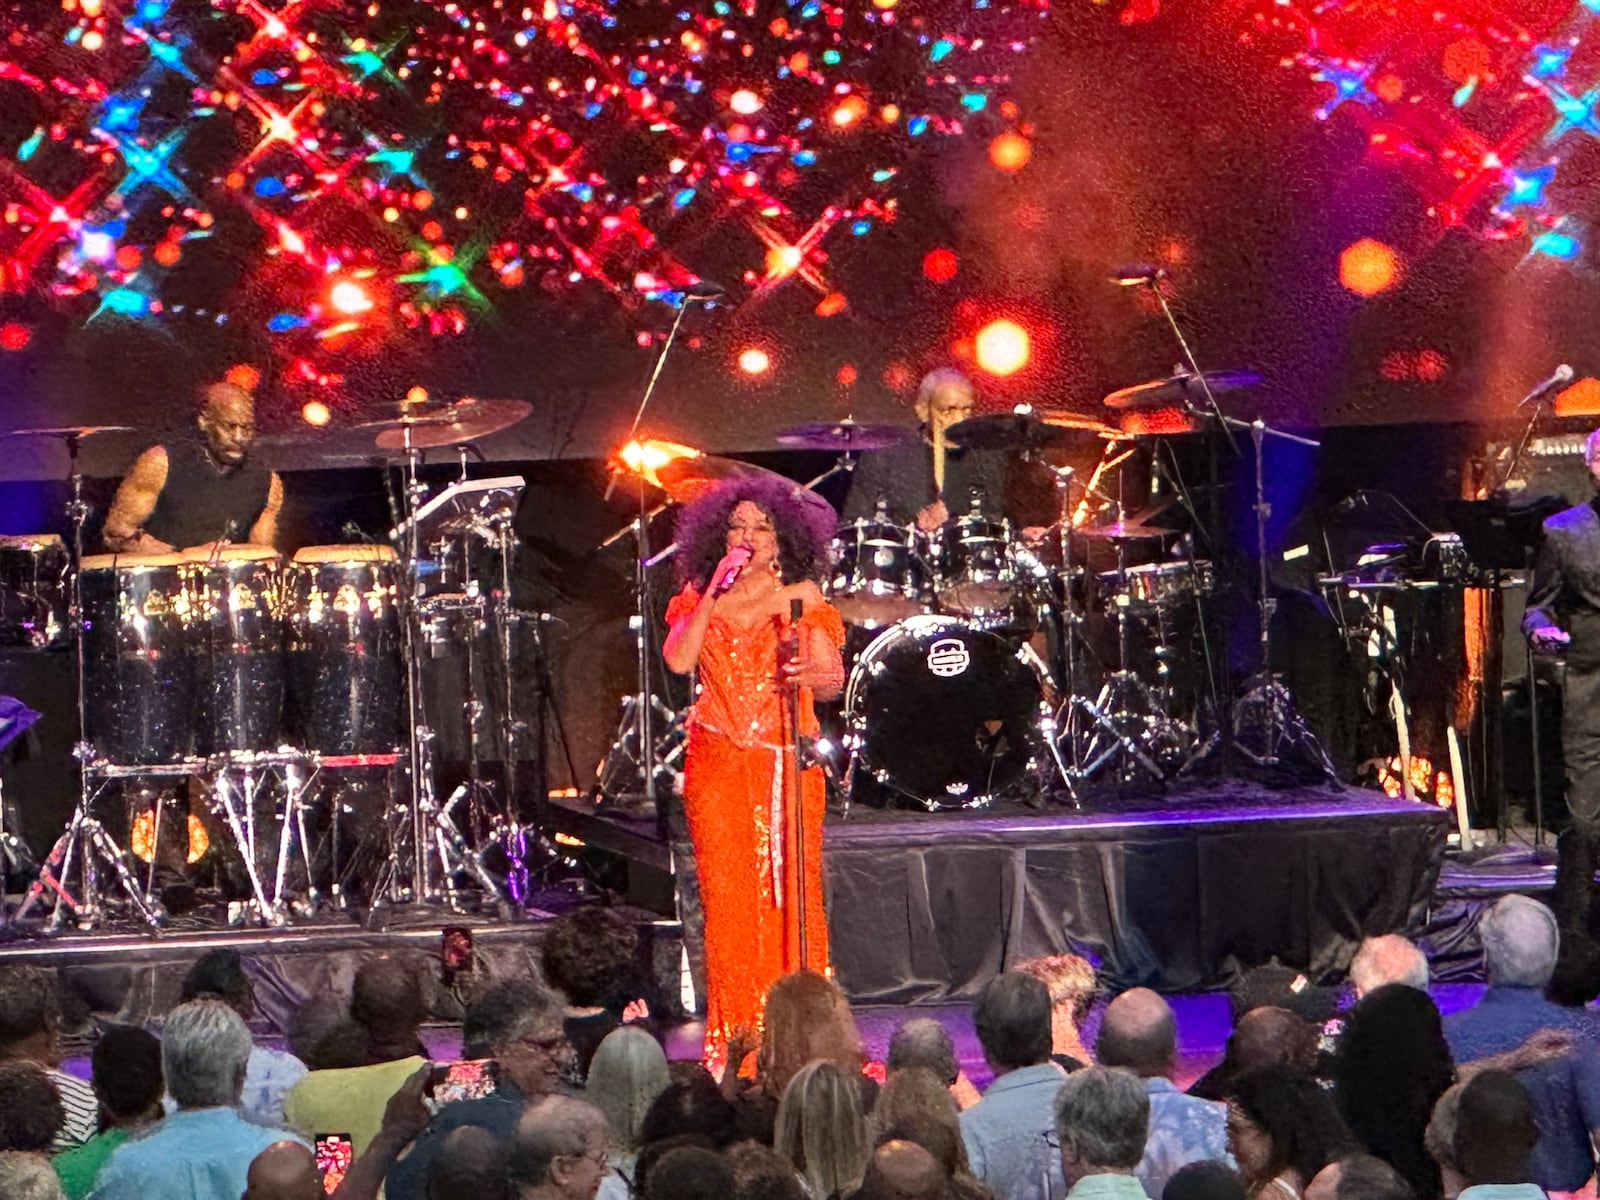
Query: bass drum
{"points": [[946, 715]]}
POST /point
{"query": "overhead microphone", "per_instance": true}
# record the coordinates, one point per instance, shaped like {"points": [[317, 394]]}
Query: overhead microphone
{"points": [[1137, 274], [1561, 375], [703, 289]]}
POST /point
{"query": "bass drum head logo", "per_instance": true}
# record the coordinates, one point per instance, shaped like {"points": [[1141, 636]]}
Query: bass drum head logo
{"points": [[948, 657]]}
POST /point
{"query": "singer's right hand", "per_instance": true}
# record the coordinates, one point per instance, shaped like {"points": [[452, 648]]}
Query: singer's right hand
{"points": [[728, 569]]}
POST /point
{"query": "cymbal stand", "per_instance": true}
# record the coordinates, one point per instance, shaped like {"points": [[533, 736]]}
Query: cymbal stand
{"points": [[1266, 722], [85, 846]]}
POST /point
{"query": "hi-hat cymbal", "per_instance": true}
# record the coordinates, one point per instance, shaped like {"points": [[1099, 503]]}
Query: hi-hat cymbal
{"points": [[845, 435], [66, 431], [687, 479], [1125, 531], [466, 420], [1175, 389]]}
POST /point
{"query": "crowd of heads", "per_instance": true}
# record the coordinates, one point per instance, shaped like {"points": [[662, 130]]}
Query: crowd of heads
{"points": [[1315, 1097]]}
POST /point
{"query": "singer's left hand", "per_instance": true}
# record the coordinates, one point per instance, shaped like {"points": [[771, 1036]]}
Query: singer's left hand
{"points": [[823, 678]]}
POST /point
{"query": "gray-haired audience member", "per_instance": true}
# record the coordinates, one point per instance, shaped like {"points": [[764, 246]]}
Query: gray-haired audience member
{"points": [[220, 975], [1520, 944], [923, 1042], [518, 1024], [1007, 1133], [283, 1171], [25, 1176], [1358, 1177], [1140, 1034], [626, 1074], [469, 1165], [557, 1151], [1495, 1131], [1102, 1118], [1388, 958], [205, 1048]]}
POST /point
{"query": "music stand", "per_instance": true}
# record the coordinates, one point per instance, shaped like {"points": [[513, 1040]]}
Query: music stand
{"points": [[1501, 537]]}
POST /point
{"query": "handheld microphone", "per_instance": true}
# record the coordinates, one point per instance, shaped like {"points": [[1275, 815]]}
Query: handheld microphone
{"points": [[721, 586], [1137, 274], [1561, 375]]}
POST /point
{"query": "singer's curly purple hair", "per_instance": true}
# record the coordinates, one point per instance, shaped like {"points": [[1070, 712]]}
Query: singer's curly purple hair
{"points": [[804, 528]]}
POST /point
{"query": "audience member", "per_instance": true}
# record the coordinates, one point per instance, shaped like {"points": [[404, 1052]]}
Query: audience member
{"points": [[692, 1107], [1282, 1129], [1440, 1140], [1496, 1128], [1389, 958], [1390, 1067], [387, 1009], [1359, 1177], [25, 1176], [1102, 1118], [821, 1131], [807, 1017], [1007, 1132], [924, 1042], [404, 1119], [628, 1072], [1071, 982], [1263, 1037], [387, 1001], [761, 1173], [125, 1069], [520, 1028], [283, 1171], [469, 1165], [1139, 1033], [324, 1036], [1520, 945], [557, 1151], [913, 1093], [654, 1152], [689, 1173], [902, 1170], [1204, 1180], [31, 1114], [29, 1021], [590, 956], [219, 975], [203, 1150]]}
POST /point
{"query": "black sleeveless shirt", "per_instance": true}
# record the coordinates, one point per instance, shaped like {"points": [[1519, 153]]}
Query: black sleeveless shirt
{"points": [[201, 502]]}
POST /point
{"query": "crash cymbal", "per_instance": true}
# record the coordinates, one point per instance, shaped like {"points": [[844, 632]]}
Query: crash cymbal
{"points": [[1125, 531], [1020, 431], [67, 431], [687, 479], [1175, 389], [1063, 419], [466, 420], [845, 435]]}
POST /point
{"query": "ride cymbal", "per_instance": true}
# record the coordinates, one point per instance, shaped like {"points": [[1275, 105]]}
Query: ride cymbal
{"points": [[1176, 389], [845, 435]]}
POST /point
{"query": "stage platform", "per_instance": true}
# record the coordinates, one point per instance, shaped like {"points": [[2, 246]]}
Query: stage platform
{"points": [[1173, 892]]}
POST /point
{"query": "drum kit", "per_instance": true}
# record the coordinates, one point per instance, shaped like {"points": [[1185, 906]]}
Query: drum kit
{"points": [[227, 679]]}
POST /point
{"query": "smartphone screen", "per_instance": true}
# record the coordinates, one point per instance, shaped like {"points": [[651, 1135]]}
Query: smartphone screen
{"points": [[455, 949], [335, 1153], [470, 1079]]}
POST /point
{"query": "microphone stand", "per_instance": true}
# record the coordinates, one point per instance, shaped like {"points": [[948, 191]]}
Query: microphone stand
{"points": [[793, 887]]}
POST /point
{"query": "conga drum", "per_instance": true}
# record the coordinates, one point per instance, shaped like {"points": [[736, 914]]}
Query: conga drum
{"points": [[346, 673], [238, 640], [138, 657]]}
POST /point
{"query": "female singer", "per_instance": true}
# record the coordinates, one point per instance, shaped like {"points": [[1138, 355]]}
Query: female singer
{"points": [[751, 552]]}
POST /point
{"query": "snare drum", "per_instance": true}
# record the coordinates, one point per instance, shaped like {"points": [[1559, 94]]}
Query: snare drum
{"points": [[238, 624], [33, 591], [878, 575], [1157, 585], [945, 714], [138, 662], [977, 574], [346, 675]]}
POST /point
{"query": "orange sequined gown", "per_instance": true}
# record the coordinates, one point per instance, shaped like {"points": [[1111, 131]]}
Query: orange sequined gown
{"points": [[732, 791]]}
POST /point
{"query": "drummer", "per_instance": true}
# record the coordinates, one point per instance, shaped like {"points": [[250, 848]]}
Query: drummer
{"points": [[924, 480], [200, 489]]}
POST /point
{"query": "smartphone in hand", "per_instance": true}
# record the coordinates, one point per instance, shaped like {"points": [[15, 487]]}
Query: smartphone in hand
{"points": [[335, 1154], [469, 1079]]}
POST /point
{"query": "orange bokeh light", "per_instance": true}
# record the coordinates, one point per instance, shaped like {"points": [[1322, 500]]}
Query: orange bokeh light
{"points": [[1367, 267], [1002, 347], [754, 361], [783, 260], [14, 335], [1010, 151], [849, 110], [243, 375], [315, 412], [744, 102]]}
